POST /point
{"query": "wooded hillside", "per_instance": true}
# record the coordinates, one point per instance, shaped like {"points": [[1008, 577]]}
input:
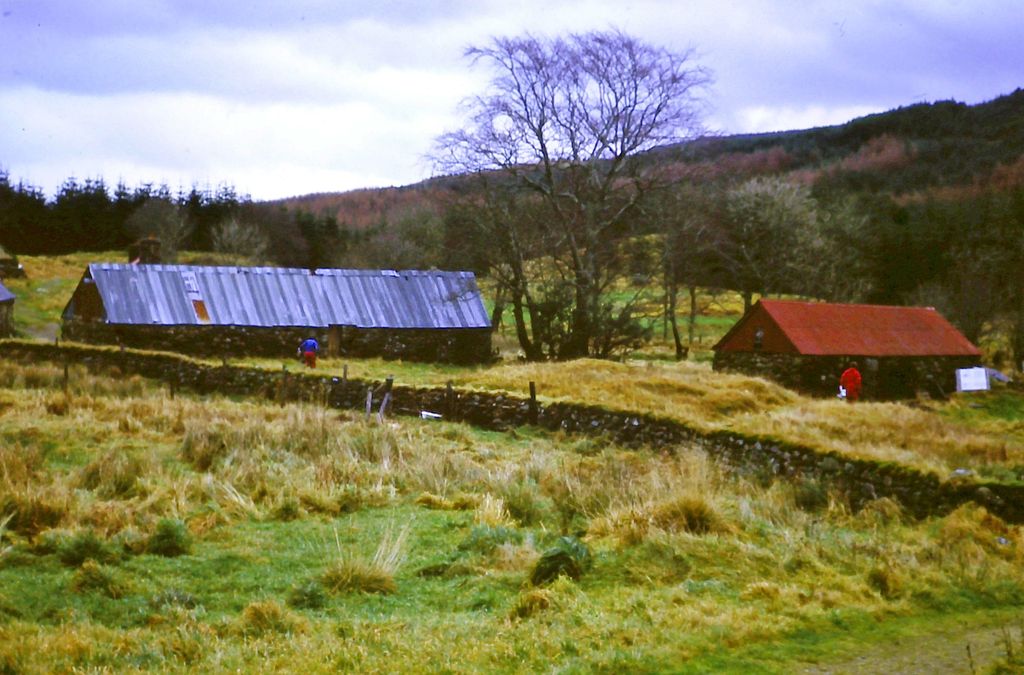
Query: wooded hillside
{"points": [[919, 205]]}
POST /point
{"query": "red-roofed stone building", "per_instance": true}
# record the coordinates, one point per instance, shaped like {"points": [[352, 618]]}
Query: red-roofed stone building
{"points": [[806, 345]]}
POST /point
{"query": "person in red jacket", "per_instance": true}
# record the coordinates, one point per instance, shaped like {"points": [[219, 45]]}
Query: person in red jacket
{"points": [[850, 380]]}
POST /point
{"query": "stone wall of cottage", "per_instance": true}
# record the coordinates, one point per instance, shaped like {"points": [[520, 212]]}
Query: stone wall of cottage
{"points": [[455, 346], [888, 378]]}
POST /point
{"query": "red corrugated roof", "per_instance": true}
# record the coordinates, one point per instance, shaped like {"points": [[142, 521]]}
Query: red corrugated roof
{"points": [[818, 328]]}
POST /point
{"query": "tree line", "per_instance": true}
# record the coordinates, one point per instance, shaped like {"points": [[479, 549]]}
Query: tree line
{"points": [[90, 216]]}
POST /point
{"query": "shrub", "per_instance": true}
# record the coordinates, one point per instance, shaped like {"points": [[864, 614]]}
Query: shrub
{"points": [[73, 551], [171, 538], [18, 463]]}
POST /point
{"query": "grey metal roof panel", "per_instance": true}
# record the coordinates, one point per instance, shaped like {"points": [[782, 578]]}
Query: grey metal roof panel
{"points": [[271, 296], [404, 299], [5, 295]]}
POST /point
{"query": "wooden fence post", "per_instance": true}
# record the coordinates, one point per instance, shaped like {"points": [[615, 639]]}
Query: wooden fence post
{"points": [[533, 402], [386, 388], [369, 402]]}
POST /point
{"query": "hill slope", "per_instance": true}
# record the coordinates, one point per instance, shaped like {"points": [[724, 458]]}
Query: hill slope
{"points": [[923, 146]]}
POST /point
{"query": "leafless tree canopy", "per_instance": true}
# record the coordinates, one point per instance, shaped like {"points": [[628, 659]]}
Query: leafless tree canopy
{"points": [[586, 97], [556, 137]]}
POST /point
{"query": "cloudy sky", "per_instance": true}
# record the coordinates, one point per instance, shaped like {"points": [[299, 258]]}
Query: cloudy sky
{"points": [[288, 97]]}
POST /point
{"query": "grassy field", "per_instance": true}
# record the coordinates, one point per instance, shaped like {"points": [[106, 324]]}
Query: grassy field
{"points": [[142, 532], [983, 433]]}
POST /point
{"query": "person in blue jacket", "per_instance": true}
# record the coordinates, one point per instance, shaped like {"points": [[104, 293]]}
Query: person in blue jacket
{"points": [[308, 349]]}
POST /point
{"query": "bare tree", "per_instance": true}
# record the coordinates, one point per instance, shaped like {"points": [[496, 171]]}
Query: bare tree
{"points": [[556, 142], [164, 220], [691, 235], [767, 222], [234, 236]]}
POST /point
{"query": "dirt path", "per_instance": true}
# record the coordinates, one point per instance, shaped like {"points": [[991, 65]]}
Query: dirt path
{"points": [[940, 653]]}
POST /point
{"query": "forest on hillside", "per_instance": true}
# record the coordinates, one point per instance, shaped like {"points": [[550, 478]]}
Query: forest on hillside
{"points": [[919, 205]]}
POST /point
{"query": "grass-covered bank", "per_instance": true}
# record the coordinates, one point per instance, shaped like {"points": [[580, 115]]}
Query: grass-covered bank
{"points": [[982, 432], [144, 532]]}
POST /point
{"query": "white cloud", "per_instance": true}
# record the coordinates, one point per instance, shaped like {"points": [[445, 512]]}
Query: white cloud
{"points": [[758, 119], [318, 95]]}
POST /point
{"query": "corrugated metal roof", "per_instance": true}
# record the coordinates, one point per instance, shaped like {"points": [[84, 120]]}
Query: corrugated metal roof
{"points": [[273, 296], [5, 295], [818, 328]]}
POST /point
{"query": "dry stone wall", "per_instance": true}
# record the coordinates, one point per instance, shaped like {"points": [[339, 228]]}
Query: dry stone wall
{"points": [[859, 480]]}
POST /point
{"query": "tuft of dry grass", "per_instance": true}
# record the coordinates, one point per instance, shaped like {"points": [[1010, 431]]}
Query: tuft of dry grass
{"points": [[972, 530], [688, 513], [4, 548], [92, 576], [349, 573], [37, 507], [885, 579], [491, 512], [532, 602], [268, 616], [114, 474]]}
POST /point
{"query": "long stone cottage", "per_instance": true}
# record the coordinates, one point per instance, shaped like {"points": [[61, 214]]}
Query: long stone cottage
{"points": [[224, 310]]}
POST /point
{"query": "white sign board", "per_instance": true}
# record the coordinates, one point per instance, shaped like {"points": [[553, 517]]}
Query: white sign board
{"points": [[971, 379]]}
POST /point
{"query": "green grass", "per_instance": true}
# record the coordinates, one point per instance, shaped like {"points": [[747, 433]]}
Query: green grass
{"points": [[692, 569]]}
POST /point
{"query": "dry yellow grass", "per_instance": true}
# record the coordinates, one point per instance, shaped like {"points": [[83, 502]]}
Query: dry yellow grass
{"points": [[708, 401]]}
